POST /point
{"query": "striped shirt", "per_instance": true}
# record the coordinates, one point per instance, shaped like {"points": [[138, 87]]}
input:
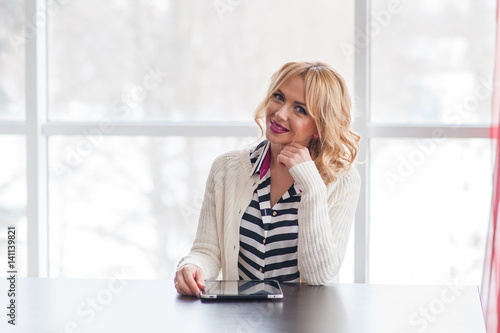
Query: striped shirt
{"points": [[269, 235]]}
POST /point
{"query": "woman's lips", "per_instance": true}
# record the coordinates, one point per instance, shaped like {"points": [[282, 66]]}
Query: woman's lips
{"points": [[277, 128]]}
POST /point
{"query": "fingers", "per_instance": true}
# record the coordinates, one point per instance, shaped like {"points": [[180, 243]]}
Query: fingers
{"points": [[295, 149], [293, 154], [289, 152], [294, 144], [200, 279], [180, 284], [292, 147], [284, 161], [182, 288], [189, 280]]}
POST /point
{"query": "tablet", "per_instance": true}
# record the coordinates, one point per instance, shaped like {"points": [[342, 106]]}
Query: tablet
{"points": [[242, 289]]}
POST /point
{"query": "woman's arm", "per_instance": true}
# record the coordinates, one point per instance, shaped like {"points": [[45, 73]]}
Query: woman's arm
{"points": [[205, 252], [325, 217]]}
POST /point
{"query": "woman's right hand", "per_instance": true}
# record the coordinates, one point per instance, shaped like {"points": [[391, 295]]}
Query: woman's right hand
{"points": [[189, 280]]}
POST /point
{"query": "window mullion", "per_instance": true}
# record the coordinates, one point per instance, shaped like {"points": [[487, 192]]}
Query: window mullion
{"points": [[429, 132], [36, 143], [362, 95], [148, 128], [12, 127]]}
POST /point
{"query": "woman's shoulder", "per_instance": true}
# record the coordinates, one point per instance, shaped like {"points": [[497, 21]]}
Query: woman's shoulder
{"points": [[232, 156], [233, 159]]}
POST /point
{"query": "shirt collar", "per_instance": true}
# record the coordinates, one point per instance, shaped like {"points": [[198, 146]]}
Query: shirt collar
{"points": [[260, 158]]}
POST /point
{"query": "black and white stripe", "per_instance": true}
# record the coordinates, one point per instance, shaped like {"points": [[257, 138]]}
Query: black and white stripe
{"points": [[269, 236]]}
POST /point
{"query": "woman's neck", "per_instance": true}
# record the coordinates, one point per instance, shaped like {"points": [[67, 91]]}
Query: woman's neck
{"points": [[274, 165]]}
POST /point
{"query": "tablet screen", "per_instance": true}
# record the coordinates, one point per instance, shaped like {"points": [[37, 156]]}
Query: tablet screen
{"points": [[243, 288]]}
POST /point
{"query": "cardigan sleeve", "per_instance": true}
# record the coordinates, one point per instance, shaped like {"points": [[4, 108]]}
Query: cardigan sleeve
{"points": [[325, 217], [205, 252]]}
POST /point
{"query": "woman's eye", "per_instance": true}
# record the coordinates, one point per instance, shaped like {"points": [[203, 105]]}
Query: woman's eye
{"points": [[301, 110], [278, 97]]}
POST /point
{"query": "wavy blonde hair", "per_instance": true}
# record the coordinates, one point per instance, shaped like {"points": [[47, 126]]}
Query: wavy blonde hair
{"points": [[329, 104]]}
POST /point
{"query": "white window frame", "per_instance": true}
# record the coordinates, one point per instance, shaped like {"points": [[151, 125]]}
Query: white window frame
{"points": [[37, 129]]}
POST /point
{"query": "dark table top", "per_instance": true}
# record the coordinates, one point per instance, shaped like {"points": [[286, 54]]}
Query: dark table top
{"points": [[115, 305]]}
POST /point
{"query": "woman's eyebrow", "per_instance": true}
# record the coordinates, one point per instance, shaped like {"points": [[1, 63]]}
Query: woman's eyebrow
{"points": [[296, 102]]}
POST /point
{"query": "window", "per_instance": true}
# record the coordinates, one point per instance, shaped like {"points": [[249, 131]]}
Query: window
{"points": [[430, 180], [111, 116], [13, 197], [12, 142], [141, 98], [12, 60]]}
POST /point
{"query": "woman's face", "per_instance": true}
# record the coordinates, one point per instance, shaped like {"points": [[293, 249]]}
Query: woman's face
{"points": [[287, 118]]}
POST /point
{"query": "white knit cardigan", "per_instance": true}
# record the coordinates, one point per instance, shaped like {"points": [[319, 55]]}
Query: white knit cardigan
{"points": [[325, 216]]}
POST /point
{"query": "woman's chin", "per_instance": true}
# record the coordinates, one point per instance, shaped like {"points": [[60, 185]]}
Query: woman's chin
{"points": [[276, 139], [280, 138]]}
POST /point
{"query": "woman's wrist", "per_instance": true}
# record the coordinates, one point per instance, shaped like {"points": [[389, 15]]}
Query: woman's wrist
{"points": [[307, 177]]}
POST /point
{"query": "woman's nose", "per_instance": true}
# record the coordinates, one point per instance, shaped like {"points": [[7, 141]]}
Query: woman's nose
{"points": [[282, 113]]}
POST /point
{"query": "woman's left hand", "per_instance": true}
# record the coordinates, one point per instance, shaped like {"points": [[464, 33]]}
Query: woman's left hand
{"points": [[293, 154]]}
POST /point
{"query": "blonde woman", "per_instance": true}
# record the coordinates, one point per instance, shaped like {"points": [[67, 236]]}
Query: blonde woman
{"points": [[283, 209]]}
